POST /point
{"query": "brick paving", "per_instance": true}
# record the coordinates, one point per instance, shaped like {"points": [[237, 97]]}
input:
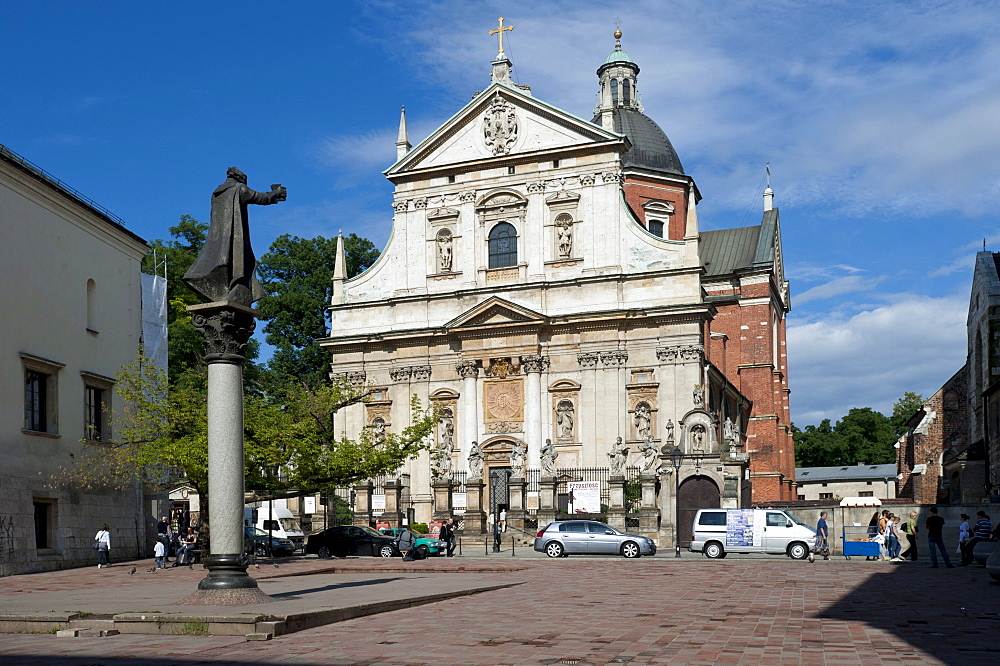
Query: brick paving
{"points": [[607, 611]]}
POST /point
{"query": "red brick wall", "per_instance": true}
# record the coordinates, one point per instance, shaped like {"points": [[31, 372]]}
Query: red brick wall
{"points": [[638, 190]]}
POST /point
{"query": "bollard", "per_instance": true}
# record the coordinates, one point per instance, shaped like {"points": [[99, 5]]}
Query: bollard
{"points": [[460, 547], [512, 553], [486, 545]]}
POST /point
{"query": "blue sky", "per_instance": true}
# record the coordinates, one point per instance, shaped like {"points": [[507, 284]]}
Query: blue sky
{"points": [[881, 122]]}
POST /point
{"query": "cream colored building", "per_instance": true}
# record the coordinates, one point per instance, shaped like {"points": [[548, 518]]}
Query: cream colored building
{"points": [[71, 302], [543, 281]]}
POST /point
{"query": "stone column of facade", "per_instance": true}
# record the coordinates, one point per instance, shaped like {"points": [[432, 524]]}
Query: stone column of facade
{"points": [[442, 499], [547, 501], [468, 371], [363, 503], [393, 503], [226, 328], [533, 364], [515, 490], [667, 504], [616, 511], [475, 517], [649, 514]]}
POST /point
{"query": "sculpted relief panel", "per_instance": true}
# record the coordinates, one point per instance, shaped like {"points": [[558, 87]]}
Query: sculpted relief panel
{"points": [[503, 401]]}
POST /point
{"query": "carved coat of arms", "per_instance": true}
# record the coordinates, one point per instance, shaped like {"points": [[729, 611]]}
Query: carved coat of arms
{"points": [[500, 126]]}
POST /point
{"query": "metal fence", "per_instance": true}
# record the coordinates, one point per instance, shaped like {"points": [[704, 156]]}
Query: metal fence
{"points": [[602, 474]]}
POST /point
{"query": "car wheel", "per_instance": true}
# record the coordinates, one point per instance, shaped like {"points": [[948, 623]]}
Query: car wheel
{"points": [[714, 550], [798, 551], [630, 549], [261, 550], [323, 552], [554, 549], [424, 551], [386, 551]]}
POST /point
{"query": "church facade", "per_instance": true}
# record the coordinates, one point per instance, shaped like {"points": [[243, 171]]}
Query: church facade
{"points": [[547, 287]]}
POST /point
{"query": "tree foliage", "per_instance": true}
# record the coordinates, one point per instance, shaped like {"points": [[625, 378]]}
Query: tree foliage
{"points": [[863, 435], [296, 274]]}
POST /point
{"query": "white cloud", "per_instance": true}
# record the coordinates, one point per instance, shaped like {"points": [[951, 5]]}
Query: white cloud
{"points": [[839, 287], [870, 358]]}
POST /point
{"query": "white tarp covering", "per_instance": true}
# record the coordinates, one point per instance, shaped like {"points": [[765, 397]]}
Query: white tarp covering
{"points": [[154, 319]]}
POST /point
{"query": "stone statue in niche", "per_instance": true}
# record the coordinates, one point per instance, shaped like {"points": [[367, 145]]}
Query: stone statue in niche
{"points": [[728, 433], [226, 269], [617, 456], [697, 396], [650, 454], [446, 438], [475, 462], [698, 437], [564, 237], [549, 455], [642, 419], [378, 428], [517, 453], [445, 252], [565, 418]]}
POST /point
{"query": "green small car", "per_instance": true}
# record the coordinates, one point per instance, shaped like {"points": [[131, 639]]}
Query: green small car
{"points": [[426, 544]]}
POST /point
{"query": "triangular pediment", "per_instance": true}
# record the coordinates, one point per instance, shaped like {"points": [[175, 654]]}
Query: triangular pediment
{"points": [[498, 123], [495, 311]]}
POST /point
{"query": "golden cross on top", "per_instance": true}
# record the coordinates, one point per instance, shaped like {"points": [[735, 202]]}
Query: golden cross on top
{"points": [[499, 32]]}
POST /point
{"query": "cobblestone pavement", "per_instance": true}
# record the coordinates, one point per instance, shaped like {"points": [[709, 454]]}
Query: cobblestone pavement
{"points": [[603, 611]]}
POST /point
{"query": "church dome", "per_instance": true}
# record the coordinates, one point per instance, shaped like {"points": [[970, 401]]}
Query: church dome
{"points": [[651, 149], [618, 56]]}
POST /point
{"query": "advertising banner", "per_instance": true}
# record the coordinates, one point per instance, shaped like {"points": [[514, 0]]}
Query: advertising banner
{"points": [[309, 504], [584, 496], [740, 528], [378, 504], [459, 502]]}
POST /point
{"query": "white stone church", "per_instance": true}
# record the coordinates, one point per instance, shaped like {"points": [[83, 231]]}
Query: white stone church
{"points": [[545, 285]]}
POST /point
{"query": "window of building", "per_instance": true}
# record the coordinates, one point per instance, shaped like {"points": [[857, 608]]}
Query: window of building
{"points": [[555, 164], [510, 171], [96, 402], [45, 523], [614, 92], [655, 227], [826, 495], [824, 485], [866, 493], [451, 179], [503, 246], [869, 483], [626, 92], [92, 306], [40, 394], [802, 497]]}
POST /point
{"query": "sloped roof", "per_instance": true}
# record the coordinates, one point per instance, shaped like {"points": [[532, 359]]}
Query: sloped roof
{"points": [[725, 251], [651, 149], [846, 473]]}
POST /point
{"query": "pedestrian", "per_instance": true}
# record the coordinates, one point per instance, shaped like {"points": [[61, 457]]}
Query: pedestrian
{"points": [[935, 528], [163, 534], [447, 535], [503, 520], [159, 553], [188, 543], [964, 534], [883, 530], [496, 535], [405, 543], [873, 532], [897, 539], [982, 531], [102, 542], [910, 529], [821, 546]]}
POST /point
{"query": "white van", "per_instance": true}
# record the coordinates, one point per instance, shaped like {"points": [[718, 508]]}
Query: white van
{"points": [[718, 532], [278, 521]]}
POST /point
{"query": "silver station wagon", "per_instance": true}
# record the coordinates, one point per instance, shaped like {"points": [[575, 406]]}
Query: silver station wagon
{"points": [[589, 537]]}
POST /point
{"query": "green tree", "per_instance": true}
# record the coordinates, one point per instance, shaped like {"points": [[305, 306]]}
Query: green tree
{"points": [[819, 446], [296, 274], [903, 409], [869, 437]]}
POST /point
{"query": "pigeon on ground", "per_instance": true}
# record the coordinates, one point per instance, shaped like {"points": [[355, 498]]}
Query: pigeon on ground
{"points": [[151, 570], [256, 566], [275, 565], [131, 572], [191, 567]]}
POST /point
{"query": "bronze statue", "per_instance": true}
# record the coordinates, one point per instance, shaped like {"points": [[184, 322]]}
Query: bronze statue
{"points": [[225, 269]]}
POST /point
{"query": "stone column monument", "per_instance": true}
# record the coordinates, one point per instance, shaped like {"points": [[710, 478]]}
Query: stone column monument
{"points": [[224, 274]]}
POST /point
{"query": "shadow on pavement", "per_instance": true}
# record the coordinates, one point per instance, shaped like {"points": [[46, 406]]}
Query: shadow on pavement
{"points": [[952, 614], [326, 588]]}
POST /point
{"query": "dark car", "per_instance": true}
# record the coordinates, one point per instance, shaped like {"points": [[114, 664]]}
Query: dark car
{"points": [[344, 540], [258, 542]]}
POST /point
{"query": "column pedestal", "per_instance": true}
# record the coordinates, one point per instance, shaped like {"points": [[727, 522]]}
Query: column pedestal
{"points": [[515, 513], [616, 511], [548, 504], [393, 513], [649, 514], [474, 519], [442, 499], [363, 504]]}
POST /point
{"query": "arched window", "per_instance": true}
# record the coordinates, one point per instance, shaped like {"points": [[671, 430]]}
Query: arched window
{"points": [[626, 92], [503, 246], [614, 92]]}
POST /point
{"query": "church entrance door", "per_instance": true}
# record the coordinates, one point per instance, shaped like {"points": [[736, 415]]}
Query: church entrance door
{"points": [[697, 492], [499, 493]]}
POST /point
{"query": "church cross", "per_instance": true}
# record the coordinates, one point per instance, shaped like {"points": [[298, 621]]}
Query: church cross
{"points": [[499, 32]]}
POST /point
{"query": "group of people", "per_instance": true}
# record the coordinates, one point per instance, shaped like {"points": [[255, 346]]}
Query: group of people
{"points": [[968, 537], [888, 530], [180, 543], [406, 541]]}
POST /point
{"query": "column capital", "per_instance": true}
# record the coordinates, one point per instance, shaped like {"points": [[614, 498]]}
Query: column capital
{"points": [[534, 363], [226, 328], [467, 369]]}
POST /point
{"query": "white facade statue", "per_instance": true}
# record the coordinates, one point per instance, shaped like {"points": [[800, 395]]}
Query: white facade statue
{"points": [[548, 459], [441, 465], [642, 420], [445, 252], [475, 462], [446, 437], [650, 454], [565, 418], [517, 453], [617, 456], [564, 232]]}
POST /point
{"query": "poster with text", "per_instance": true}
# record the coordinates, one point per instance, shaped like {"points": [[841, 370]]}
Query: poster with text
{"points": [[739, 527], [378, 504], [584, 496]]}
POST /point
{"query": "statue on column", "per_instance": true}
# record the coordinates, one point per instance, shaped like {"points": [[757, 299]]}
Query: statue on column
{"points": [[650, 454], [549, 455], [517, 458], [475, 462], [617, 456], [225, 269], [441, 465]]}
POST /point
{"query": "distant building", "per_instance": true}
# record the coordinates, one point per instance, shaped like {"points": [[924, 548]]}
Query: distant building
{"points": [[71, 307], [978, 464], [834, 483]]}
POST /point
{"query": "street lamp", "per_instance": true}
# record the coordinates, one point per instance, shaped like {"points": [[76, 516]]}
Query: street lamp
{"points": [[676, 458]]}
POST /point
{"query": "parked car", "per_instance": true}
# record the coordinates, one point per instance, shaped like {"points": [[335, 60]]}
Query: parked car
{"points": [[717, 532], [426, 544], [344, 540], [589, 537], [260, 543]]}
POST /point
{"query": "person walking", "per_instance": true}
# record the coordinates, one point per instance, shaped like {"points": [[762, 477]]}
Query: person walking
{"points": [[159, 551], [983, 531], [102, 541], [821, 546], [964, 534], [897, 539], [447, 535], [935, 529], [910, 529], [873, 532]]}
